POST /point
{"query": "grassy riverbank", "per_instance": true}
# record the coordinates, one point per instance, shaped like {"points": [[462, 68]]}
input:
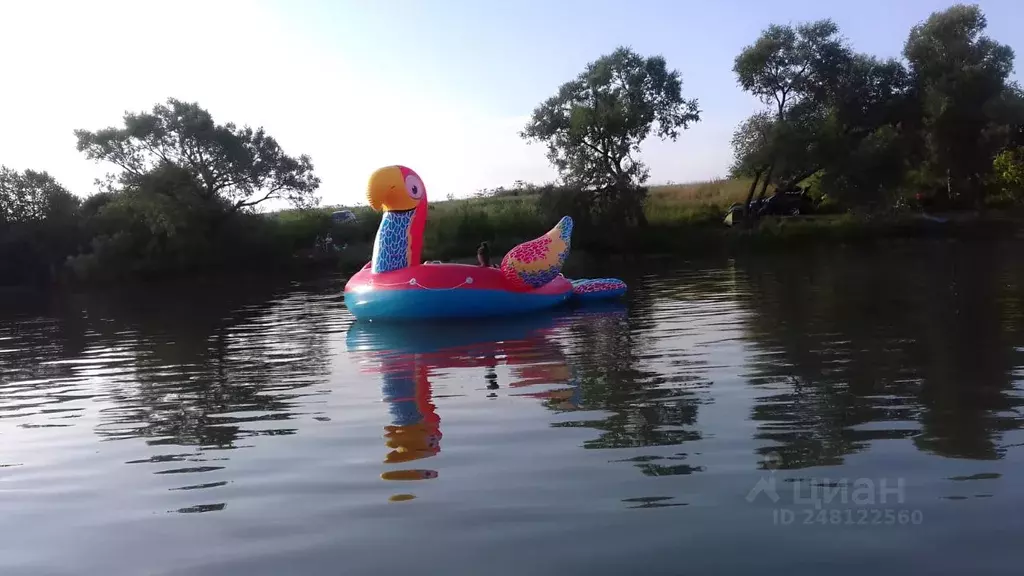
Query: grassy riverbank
{"points": [[683, 219], [456, 227], [114, 247]]}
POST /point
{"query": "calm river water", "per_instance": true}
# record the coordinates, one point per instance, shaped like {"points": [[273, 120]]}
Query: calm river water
{"points": [[843, 410]]}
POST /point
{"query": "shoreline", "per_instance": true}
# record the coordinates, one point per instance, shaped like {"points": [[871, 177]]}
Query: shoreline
{"points": [[659, 240]]}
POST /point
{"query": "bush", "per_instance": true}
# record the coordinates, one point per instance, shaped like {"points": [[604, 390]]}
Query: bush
{"points": [[39, 226], [1008, 176]]}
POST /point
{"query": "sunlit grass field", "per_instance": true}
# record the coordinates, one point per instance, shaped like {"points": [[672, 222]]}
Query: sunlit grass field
{"points": [[681, 218], [457, 226]]}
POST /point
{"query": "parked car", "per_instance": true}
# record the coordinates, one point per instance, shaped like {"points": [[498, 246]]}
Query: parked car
{"points": [[790, 203], [342, 216]]}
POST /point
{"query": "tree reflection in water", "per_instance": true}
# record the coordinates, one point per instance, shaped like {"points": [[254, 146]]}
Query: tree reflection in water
{"points": [[853, 346], [823, 354], [193, 370]]}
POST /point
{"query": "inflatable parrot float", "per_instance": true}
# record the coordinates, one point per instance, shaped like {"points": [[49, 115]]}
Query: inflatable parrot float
{"points": [[396, 285]]}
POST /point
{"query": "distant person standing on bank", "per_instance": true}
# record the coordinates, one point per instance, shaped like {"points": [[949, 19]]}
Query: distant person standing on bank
{"points": [[483, 255]]}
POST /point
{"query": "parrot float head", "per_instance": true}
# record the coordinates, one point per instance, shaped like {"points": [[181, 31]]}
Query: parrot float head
{"points": [[395, 189], [399, 193]]}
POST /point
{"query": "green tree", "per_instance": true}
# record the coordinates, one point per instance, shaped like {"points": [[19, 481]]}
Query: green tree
{"points": [[830, 111], [186, 195], [38, 225], [793, 70], [787, 64], [33, 196], [751, 145], [1008, 169], [869, 93], [156, 226], [237, 168], [960, 74], [866, 142], [594, 125], [1012, 108]]}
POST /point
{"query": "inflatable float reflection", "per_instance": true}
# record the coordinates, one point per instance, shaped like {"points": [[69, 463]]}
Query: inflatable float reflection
{"points": [[405, 358]]}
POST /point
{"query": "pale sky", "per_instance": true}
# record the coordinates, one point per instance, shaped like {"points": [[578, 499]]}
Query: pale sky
{"points": [[442, 86]]}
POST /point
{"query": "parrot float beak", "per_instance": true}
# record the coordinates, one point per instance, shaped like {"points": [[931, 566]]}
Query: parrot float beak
{"points": [[387, 191]]}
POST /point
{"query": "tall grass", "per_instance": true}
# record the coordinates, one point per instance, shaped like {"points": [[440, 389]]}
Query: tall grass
{"points": [[681, 218], [702, 203], [717, 192], [456, 227]]}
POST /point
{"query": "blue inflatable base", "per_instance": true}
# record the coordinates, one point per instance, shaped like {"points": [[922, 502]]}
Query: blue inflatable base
{"points": [[596, 296], [427, 304]]}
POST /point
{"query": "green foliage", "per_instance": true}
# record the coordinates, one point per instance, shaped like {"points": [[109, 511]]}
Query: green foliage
{"points": [[184, 200], [870, 173], [796, 72], [237, 167], [1008, 168], [38, 226], [874, 129], [788, 65], [594, 125], [573, 202], [596, 122], [961, 77], [752, 144], [456, 227], [830, 110], [32, 196]]}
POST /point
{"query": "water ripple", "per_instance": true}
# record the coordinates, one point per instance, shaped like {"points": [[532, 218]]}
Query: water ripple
{"points": [[132, 419]]}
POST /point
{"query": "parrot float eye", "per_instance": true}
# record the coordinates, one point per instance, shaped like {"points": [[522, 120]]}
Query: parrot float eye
{"points": [[414, 186]]}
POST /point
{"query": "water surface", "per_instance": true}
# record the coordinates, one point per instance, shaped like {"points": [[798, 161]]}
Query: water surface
{"points": [[840, 409]]}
